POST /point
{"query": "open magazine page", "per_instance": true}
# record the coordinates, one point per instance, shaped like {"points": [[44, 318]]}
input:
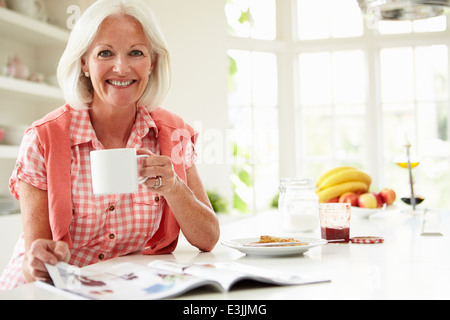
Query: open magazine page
{"points": [[207, 271], [227, 274], [123, 281], [162, 279]]}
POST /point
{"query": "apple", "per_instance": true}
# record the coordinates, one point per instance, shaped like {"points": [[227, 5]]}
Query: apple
{"points": [[379, 199], [349, 197], [388, 196], [368, 201], [334, 200]]}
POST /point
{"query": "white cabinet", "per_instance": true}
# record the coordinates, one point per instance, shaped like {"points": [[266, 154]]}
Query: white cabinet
{"points": [[39, 45]]}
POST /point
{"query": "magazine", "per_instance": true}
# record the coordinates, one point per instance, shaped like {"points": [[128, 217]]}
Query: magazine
{"points": [[161, 279]]}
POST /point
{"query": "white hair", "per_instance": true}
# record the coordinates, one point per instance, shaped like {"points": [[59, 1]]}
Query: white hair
{"points": [[77, 88]]}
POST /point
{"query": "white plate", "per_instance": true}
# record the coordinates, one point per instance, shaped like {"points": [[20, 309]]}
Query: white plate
{"points": [[239, 244], [366, 213]]}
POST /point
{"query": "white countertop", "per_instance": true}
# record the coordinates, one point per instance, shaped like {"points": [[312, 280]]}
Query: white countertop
{"points": [[406, 266]]}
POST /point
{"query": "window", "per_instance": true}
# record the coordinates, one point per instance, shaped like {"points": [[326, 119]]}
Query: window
{"points": [[415, 104], [324, 19], [253, 103], [392, 84], [358, 89], [398, 27], [254, 19], [332, 108]]}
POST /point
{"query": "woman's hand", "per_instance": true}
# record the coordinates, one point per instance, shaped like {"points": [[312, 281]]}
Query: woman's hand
{"points": [[160, 172], [43, 251], [188, 201]]}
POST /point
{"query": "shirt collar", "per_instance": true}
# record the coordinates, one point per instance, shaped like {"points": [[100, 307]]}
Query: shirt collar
{"points": [[82, 131], [144, 122]]}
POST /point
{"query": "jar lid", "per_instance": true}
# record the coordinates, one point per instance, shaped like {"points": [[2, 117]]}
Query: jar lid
{"points": [[296, 183], [367, 240]]}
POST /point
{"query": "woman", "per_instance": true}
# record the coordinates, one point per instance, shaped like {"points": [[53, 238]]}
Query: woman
{"points": [[114, 74]]}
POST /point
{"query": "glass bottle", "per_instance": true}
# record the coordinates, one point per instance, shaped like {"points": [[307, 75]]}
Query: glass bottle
{"points": [[298, 205]]}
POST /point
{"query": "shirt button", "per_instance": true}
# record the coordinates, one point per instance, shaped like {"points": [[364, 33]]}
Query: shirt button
{"points": [[101, 256], [156, 198], [111, 208], [112, 236]]}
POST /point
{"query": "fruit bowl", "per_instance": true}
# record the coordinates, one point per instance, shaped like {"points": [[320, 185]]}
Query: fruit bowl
{"points": [[363, 213]]}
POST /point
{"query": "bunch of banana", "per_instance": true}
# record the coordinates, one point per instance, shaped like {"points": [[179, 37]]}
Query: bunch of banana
{"points": [[340, 180]]}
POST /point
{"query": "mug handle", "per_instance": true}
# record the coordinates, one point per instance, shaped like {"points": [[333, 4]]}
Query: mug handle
{"points": [[141, 181], [38, 7]]}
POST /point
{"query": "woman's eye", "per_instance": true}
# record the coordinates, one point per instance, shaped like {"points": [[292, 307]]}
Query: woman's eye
{"points": [[136, 53], [104, 53]]}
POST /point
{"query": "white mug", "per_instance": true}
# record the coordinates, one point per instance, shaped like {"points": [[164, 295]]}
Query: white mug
{"points": [[115, 171]]}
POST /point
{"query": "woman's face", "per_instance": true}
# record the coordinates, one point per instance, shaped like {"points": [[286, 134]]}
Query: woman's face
{"points": [[119, 62]]}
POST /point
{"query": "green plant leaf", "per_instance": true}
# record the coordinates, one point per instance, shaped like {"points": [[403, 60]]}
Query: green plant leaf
{"points": [[239, 204], [246, 16], [219, 203]]}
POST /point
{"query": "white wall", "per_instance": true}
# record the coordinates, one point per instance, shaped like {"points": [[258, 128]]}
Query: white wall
{"points": [[196, 34]]}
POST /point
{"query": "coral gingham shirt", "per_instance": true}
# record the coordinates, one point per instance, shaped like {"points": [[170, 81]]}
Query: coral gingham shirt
{"points": [[102, 227]]}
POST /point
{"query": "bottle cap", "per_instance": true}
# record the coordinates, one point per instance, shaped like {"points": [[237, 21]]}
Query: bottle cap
{"points": [[367, 240]]}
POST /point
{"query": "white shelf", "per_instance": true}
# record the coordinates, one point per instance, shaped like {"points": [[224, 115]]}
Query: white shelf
{"points": [[43, 40], [22, 28], [30, 89]]}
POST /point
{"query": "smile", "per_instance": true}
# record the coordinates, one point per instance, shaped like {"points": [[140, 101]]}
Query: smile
{"points": [[120, 83]]}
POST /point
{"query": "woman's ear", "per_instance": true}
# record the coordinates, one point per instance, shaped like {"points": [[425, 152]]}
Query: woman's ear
{"points": [[153, 63], [151, 67], [84, 66]]}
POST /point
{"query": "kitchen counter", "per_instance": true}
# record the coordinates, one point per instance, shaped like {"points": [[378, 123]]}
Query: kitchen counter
{"points": [[406, 266]]}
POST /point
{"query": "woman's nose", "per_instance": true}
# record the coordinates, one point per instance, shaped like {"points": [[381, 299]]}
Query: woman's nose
{"points": [[121, 65]]}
